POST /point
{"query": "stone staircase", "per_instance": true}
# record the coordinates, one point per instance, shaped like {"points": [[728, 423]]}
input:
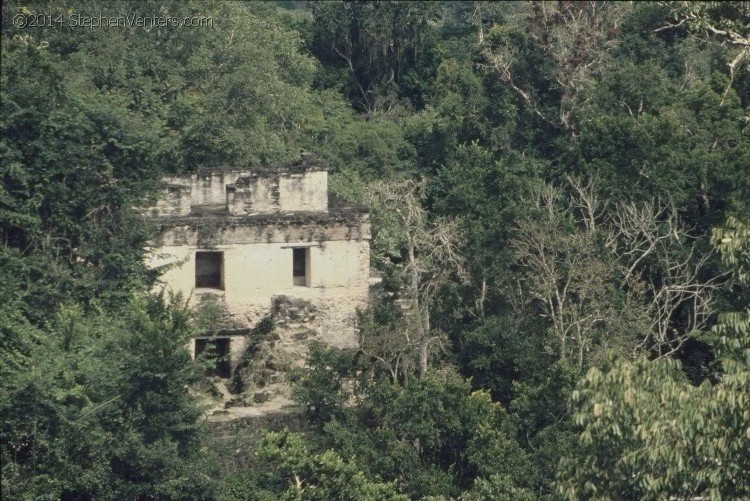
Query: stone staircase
{"points": [[266, 377]]}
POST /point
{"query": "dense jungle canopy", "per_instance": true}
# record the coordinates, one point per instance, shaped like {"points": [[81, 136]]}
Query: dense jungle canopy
{"points": [[576, 259]]}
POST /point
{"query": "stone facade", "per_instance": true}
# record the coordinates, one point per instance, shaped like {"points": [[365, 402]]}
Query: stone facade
{"points": [[250, 237]]}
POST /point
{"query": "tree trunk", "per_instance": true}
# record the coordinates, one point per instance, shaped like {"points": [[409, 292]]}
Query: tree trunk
{"points": [[423, 356]]}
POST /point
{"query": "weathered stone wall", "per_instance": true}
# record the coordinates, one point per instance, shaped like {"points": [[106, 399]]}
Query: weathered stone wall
{"points": [[256, 218], [255, 272], [273, 228], [206, 188], [298, 187], [252, 194], [282, 192], [175, 201], [257, 265], [304, 191]]}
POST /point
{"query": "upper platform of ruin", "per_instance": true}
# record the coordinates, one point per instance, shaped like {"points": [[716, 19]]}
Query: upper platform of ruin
{"points": [[300, 186]]}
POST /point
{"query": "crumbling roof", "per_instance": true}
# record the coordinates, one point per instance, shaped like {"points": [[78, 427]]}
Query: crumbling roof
{"points": [[307, 162], [347, 214]]}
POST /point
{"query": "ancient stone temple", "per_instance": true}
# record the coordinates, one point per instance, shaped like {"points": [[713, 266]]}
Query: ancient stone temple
{"points": [[260, 242]]}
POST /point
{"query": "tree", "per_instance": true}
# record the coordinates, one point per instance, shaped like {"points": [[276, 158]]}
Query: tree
{"points": [[99, 408], [81, 219], [600, 276], [574, 37], [656, 128], [646, 432], [658, 255], [431, 257], [725, 22], [323, 476], [433, 436], [568, 278], [377, 45]]}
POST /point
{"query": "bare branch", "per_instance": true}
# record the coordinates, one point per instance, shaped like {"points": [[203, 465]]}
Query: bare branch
{"points": [[433, 255], [649, 263]]}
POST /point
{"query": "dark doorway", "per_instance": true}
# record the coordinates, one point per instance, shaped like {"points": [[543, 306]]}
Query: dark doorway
{"points": [[208, 269], [216, 352], [300, 266]]}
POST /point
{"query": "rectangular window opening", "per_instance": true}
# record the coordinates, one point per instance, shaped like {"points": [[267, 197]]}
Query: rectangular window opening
{"points": [[216, 354], [209, 269], [301, 266]]}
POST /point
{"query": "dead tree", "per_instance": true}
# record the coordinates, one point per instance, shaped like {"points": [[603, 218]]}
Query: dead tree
{"points": [[629, 277], [568, 278], [660, 263], [431, 256]]}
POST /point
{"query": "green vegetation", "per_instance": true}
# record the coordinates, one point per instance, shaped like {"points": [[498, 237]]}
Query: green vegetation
{"points": [[560, 198]]}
